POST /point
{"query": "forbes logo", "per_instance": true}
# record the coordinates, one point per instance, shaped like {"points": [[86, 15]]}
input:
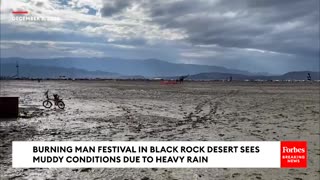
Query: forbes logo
{"points": [[293, 150], [294, 154]]}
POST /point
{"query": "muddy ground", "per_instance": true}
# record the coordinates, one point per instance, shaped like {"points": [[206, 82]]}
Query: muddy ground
{"points": [[148, 111]]}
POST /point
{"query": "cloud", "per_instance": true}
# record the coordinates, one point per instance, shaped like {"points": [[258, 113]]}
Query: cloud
{"points": [[287, 26], [114, 7], [247, 34], [268, 25]]}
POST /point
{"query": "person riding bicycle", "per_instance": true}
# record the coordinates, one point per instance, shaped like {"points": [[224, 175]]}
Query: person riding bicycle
{"points": [[56, 98]]}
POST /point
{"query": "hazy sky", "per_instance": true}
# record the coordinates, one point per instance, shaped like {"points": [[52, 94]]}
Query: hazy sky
{"points": [[257, 35]]}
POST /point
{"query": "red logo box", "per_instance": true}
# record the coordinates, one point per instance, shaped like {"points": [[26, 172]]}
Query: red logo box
{"points": [[294, 154]]}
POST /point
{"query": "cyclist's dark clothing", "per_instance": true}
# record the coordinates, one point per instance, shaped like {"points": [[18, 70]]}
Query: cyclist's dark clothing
{"points": [[56, 97]]}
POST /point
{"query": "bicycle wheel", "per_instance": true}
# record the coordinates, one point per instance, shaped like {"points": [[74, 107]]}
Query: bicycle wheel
{"points": [[47, 104], [61, 104]]}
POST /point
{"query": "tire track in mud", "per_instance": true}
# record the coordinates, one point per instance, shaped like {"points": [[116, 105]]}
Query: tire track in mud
{"points": [[213, 105], [127, 124], [150, 127], [272, 99], [145, 126], [250, 132], [136, 126], [207, 112]]}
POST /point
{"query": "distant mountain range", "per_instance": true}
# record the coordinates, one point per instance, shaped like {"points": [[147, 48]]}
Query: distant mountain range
{"points": [[300, 75], [32, 71], [147, 68], [138, 69]]}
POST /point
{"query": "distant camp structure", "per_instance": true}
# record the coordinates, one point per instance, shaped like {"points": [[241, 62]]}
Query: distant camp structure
{"points": [[179, 80]]}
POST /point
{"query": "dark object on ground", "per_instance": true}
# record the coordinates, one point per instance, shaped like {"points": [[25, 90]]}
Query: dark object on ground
{"points": [[56, 99], [9, 107], [181, 78]]}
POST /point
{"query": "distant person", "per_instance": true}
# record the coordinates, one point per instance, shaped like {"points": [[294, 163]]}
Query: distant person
{"points": [[56, 97], [181, 78], [309, 77]]}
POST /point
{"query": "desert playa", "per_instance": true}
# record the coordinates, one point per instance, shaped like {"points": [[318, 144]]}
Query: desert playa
{"points": [[148, 111]]}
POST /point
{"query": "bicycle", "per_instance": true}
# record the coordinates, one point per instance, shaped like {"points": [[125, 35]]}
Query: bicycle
{"points": [[56, 99]]}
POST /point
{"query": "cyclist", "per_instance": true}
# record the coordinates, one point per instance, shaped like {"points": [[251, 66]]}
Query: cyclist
{"points": [[56, 98]]}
